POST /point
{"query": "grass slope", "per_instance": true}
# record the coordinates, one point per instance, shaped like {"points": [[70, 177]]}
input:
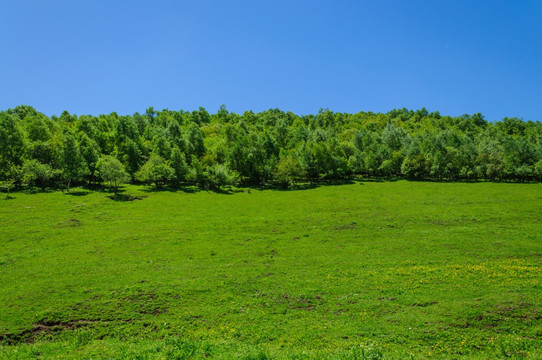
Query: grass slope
{"points": [[373, 270]]}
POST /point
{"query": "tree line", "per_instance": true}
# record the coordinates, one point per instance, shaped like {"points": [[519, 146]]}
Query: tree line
{"points": [[272, 148]]}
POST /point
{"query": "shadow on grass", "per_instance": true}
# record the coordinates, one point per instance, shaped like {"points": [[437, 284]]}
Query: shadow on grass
{"points": [[99, 188], [86, 189], [190, 189], [296, 187], [185, 189], [126, 197], [227, 191], [78, 193], [310, 185], [34, 191], [105, 190], [378, 180]]}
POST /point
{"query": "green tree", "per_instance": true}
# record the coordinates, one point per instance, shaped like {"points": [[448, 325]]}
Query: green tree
{"points": [[112, 171], [161, 146], [392, 137], [219, 175], [125, 128], [179, 166], [131, 157], [36, 173], [490, 163], [196, 174], [288, 171], [156, 170], [43, 151], [7, 186], [537, 170], [356, 163], [37, 128], [90, 153], [73, 164], [415, 167], [12, 143], [195, 137]]}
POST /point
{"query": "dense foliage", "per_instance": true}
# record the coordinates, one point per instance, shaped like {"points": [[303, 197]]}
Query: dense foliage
{"points": [[268, 148]]}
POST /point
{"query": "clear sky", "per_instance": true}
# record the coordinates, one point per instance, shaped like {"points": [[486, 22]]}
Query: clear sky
{"points": [[93, 57]]}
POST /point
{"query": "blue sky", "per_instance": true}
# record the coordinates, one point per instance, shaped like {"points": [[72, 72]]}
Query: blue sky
{"points": [[93, 57]]}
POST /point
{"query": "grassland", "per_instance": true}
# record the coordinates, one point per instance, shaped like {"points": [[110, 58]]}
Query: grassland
{"points": [[388, 270]]}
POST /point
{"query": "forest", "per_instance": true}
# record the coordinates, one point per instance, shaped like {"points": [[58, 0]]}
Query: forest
{"points": [[272, 148]]}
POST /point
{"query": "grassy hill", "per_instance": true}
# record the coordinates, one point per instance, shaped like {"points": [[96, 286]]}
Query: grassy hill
{"points": [[368, 270]]}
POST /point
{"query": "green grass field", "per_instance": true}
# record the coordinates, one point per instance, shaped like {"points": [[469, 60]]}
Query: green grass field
{"points": [[371, 270]]}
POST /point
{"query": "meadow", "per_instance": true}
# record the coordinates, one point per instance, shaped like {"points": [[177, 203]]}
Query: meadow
{"points": [[367, 270]]}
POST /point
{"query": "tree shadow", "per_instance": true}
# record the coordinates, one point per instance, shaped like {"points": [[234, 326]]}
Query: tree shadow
{"points": [[376, 179], [340, 182], [78, 193], [154, 189], [226, 191], [446, 181], [126, 197], [310, 185], [295, 187], [103, 189], [97, 187], [33, 190], [189, 189]]}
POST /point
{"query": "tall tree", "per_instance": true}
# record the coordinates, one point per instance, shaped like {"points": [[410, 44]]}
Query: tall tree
{"points": [[131, 157], [179, 166], [12, 143], [73, 164]]}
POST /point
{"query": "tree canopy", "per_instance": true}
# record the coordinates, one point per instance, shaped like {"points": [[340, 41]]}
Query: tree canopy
{"points": [[273, 147]]}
